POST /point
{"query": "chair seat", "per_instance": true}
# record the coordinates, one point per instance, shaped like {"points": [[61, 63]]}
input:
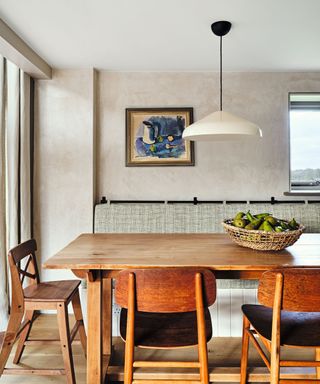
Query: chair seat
{"points": [[297, 328], [51, 291], [165, 330]]}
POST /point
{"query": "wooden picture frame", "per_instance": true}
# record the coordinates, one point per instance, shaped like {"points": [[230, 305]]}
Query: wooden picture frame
{"points": [[154, 137]]}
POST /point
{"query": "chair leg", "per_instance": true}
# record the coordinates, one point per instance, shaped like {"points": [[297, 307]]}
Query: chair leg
{"points": [[201, 329], [275, 363], [275, 334], [128, 363], [244, 351], [10, 337], [23, 337], [79, 318], [318, 359], [275, 367], [64, 330], [203, 359], [129, 347]]}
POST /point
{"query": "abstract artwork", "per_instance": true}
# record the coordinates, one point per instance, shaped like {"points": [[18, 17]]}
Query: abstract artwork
{"points": [[154, 136]]}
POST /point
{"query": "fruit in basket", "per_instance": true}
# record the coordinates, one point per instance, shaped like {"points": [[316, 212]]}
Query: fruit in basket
{"points": [[262, 231], [272, 220], [267, 226], [254, 224], [239, 215], [240, 223], [284, 225], [250, 217], [262, 215], [293, 224], [263, 222]]}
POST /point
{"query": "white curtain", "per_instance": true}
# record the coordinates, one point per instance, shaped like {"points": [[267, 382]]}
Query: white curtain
{"points": [[15, 169]]}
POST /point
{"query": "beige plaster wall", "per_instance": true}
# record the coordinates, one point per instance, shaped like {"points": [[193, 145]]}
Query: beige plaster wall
{"points": [[65, 150], [64, 161], [232, 170]]}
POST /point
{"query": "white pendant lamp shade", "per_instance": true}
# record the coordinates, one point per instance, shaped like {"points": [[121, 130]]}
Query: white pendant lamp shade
{"points": [[221, 125]]}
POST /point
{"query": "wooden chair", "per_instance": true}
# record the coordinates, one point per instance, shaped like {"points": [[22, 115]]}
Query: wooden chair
{"points": [[165, 308], [289, 315], [54, 295]]}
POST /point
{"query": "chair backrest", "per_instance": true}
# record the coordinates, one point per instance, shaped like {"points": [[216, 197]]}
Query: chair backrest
{"points": [[301, 289], [165, 289], [23, 253]]}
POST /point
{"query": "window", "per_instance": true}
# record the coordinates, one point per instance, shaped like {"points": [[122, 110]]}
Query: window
{"points": [[304, 115]]}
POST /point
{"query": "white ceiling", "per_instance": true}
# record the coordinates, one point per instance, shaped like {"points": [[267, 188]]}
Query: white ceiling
{"points": [[169, 35]]}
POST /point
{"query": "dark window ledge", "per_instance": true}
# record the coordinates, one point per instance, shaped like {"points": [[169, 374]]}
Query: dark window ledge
{"points": [[302, 193]]}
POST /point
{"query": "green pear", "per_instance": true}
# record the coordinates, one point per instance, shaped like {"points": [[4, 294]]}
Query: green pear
{"points": [[239, 215], [272, 220], [240, 223]]}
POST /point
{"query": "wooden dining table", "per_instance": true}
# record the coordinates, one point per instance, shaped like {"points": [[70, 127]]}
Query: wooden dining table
{"points": [[99, 257]]}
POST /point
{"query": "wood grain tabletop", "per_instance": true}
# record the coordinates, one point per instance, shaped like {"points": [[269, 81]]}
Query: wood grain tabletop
{"points": [[116, 251]]}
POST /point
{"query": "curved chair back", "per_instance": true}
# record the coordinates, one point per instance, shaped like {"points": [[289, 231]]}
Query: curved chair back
{"points": [[300, 289], [165, 289]]}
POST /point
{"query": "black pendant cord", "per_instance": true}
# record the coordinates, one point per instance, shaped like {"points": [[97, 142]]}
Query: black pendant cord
{"points": [[221, 28], [220, 73]]}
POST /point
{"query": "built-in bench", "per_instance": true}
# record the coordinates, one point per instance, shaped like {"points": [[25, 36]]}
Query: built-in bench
{"points": [[202, 218]]}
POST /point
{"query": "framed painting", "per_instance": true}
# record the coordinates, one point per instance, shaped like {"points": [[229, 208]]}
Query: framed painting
{"points": [[154, 137]]}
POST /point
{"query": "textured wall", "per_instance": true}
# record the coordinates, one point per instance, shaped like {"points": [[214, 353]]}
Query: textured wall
{"points": [[232, 170], [64, 166], [64, 147]]}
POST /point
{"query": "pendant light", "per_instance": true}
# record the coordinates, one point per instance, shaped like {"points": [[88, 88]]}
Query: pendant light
{"points": [[221, 125]]}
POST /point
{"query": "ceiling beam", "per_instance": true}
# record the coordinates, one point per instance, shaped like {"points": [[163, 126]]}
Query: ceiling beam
{"points": [[17, 51]]}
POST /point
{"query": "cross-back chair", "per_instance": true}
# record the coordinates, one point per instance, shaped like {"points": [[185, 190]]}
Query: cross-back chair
{"points": [[55, 295], [288, 315], [165, 308]]}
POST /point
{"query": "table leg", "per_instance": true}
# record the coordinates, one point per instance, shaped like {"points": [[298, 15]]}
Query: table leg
{"points": [[94, 334]]}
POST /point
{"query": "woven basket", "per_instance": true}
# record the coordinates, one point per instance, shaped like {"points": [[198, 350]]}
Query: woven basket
{"points": [[262, 240]]}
